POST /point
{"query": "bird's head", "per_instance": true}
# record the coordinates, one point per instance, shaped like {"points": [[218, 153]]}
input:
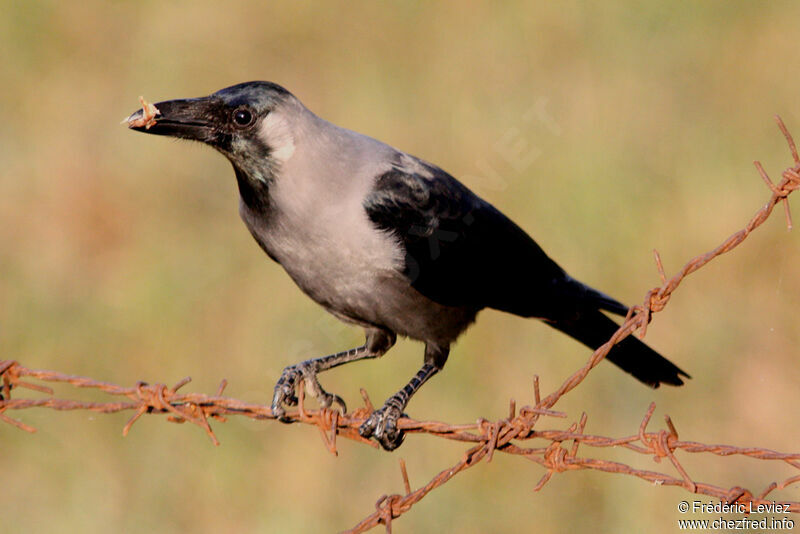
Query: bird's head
{"points": [[248, 123]]}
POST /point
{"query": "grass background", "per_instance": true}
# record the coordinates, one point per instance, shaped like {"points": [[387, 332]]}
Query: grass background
{"points": [[605, 130]]}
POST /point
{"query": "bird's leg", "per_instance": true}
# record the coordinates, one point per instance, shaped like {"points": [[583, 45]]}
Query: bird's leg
{"points": [[382, 423], [378, 342]]}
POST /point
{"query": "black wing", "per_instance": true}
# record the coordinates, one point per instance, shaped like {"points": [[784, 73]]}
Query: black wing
{"points": [[461, 251]]}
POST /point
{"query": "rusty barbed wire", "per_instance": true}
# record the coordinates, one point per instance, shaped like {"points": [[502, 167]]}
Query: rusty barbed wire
{"points": [[489, 437]]}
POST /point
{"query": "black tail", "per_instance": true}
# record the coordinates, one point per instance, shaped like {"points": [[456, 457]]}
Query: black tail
{"points": [[593, 328]]}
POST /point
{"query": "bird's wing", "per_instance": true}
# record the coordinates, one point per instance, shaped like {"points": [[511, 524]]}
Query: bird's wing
{"points": [[461, 251]]}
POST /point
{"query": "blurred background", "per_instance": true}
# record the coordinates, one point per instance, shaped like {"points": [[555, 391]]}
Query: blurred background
{"points": [[604, 130]]}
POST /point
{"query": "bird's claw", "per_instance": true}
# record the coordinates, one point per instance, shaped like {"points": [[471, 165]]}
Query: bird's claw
{"points": [[330, 399], [382, 425], [284, 394], [286, 387]]}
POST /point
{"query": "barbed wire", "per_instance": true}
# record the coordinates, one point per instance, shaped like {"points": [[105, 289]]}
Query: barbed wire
{"points": [[505, 435]]}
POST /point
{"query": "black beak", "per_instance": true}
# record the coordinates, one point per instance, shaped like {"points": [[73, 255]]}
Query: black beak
{"points": [[193, 118]]}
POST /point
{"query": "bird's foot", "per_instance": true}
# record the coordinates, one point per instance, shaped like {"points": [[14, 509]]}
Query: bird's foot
{"points": [[382, 425], [286, 388]]}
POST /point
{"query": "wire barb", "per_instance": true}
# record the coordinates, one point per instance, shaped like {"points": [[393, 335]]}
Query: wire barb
{"points": [[406, 483]]}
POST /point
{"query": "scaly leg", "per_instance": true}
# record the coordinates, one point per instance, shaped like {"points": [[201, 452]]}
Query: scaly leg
{"points": [[378, 342], [382, 424]]}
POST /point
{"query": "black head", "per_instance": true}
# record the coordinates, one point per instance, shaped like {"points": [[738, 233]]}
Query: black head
{"points": [[248, 122], [236, 121], [224, 120]]}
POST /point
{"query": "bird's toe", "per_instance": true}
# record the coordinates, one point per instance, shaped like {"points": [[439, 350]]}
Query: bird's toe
{"points": [[284, 393], [391, 438], [302, 374], [382, 425], [329, 399]]}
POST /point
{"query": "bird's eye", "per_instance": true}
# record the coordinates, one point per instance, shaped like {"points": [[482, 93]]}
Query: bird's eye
{"points": [[242, 117]]}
